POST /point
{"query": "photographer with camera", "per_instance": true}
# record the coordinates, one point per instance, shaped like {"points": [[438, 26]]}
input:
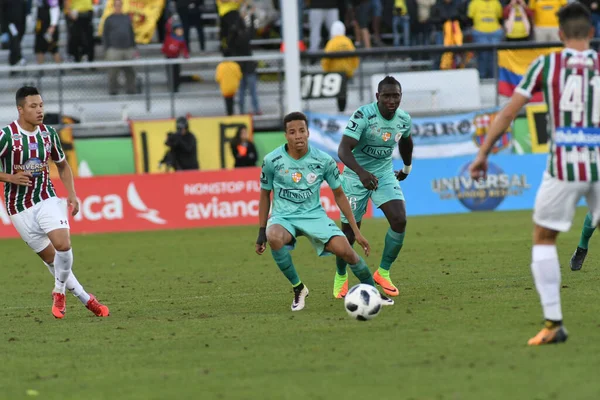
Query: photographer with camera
{"points": [[182, 154]]}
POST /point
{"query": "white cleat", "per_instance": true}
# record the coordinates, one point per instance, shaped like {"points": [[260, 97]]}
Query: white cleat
{"points": [[299, 297], [386, 301]]}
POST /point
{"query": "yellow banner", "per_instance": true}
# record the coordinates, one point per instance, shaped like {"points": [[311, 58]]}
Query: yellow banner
{"points": [[213, 135], [537, 123], [144, 15]]}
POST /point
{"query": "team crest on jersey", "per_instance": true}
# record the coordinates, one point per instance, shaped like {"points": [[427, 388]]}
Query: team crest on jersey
{"points": [[296, 177], [311, 178], [386, 136]]}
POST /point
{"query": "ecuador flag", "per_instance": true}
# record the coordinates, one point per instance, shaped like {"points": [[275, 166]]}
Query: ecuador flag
{"points": [[512, 65]]}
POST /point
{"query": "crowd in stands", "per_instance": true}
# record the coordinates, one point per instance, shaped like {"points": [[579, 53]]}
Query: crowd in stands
{"points": [[407, 22]]}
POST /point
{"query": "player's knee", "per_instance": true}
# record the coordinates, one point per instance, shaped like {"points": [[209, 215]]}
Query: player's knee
{"points": [[62, 245], [398, 223], [276, 239], [352, 257]]}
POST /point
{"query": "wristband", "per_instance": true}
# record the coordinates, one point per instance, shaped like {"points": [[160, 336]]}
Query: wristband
{"points": [[407, 169], [262, 236]]}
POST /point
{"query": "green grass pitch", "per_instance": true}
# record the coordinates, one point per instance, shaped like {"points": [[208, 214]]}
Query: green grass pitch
{"points": [[197, 315]]}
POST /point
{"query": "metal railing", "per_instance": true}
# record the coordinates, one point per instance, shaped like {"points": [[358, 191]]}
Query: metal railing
{"points": [[67, 89]]}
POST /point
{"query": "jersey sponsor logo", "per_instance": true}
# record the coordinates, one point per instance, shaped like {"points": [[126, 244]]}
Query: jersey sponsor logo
{"points": [[371, 117], [296, 177], [297, 196], [352, 126], [45, 134], [33, 146], [577, 136], [34, 165], [315, 167], [17, 148], [386, 136], [398, 137], [16, 136], [276, 158], [48, 147], [580, 62], [377, 151], [358, 115], [311, 178]]}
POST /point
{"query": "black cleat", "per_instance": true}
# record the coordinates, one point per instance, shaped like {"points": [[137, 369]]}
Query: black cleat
{"points": [[578, 259]]}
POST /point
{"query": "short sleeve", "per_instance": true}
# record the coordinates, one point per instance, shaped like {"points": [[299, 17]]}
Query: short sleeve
{"points": [[266, 175], [332, 174], [531, 81], [356, 125], [4, 139], [406, 127], [57, 153]]}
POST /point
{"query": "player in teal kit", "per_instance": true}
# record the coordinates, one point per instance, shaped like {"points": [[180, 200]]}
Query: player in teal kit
{"points": [[582, 248], [366, 150], [294, 173]]}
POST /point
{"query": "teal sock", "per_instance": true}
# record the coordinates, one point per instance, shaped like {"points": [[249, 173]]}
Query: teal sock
{"points": [[283, 259], [391, 249], [586, 232], [340, 264], [361, 271]]}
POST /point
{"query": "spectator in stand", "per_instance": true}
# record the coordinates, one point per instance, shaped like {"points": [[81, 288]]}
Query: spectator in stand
{"points": [[360, 23], [173, 47], [119, 44], [190, 12], [401, 19], [243, 149], [240, 36], [518, 21], [545, 19], [446, 20], [229, 13], [594, 7], [321, 11], [80, 14], [422, 34], [183, 150], [228, 75], [46, 30], [486, 16], [370, 11], [347, 65], [13, 15]]}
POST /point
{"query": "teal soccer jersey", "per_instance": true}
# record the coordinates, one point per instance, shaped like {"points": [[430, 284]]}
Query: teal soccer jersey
{"points": [[296, 184], [296, 187], [377, 137]]}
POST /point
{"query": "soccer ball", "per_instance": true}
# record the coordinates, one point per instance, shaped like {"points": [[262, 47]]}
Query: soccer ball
{"points": [[363, 302]]}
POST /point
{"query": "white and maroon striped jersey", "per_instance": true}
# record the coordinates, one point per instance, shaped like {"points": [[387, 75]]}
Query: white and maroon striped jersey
{"points": [[570, 81], [28, 151]]}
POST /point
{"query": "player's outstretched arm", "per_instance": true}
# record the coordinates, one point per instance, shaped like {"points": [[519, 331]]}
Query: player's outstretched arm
{"points": [[405, 145], [66, 176], [264, 206], [345, 154], [499, 125], [344, 205]]}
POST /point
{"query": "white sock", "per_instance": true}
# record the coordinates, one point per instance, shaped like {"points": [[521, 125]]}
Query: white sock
{"points": [[73, 286], [63, 263], [546, 275]]}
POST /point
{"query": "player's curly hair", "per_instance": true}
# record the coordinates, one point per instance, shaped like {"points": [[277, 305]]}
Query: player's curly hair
{"points": [[388, 80], [575, 21], [294, 116]]}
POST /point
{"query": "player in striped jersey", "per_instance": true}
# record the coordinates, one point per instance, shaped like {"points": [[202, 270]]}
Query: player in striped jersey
{"points": [[40, 217], [570, 81]]}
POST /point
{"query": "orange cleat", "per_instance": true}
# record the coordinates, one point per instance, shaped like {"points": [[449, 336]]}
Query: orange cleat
{"points": [[340, 286], [99, 309], [59, 305], [386, 284], [549, 335]]}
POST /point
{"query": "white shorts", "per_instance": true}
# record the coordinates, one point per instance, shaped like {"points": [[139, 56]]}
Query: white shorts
{"points": [[36, 222], [556, 201]]}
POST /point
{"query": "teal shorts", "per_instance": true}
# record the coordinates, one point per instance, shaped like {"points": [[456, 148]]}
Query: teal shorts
{"points": [[318, 230], [388, 189]]}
